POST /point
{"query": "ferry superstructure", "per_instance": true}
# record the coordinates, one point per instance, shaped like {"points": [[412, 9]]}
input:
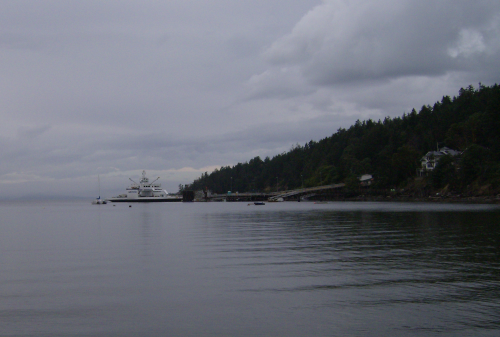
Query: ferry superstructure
{"points": [[145, 191]]}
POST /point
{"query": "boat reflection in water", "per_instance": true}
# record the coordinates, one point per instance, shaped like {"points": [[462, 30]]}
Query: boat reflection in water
{"points": [[145, 191]]}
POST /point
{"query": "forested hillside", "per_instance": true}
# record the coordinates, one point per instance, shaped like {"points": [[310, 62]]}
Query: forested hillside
{"points": [[389, 149]]}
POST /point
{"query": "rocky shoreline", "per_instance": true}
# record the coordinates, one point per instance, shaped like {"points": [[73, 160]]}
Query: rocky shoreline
{"points": [[437, 198]]}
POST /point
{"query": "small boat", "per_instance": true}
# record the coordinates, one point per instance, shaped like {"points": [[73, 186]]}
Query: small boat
{"points": [[258, 203], [98, 200]]}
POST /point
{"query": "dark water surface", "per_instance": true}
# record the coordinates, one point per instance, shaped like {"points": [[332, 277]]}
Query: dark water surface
{"points": [[228, 269]]}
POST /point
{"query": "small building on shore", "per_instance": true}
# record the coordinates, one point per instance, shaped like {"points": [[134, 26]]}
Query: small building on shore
{"points": [[365, 180]]}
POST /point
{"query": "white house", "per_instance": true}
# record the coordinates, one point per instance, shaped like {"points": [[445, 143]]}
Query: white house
{"points": [[431, 158]]}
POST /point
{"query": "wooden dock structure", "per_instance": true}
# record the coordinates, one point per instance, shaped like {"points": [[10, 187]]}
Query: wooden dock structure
{"points": [[318, 193]]}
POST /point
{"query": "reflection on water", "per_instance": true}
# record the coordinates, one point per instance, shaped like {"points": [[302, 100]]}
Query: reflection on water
{"points": [[365, 269], [392, 271]]}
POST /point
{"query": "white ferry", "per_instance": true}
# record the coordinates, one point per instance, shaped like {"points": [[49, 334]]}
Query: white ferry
{"points": [[145, 191]]}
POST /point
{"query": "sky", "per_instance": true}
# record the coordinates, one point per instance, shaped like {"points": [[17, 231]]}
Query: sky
{"points": [[101, 90]]}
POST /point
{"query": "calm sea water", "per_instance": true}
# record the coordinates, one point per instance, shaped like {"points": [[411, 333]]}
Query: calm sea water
{"points": [[228, 269]]}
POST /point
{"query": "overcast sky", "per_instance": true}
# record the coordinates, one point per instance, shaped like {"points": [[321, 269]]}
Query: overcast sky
{"points": [[179, 87]]}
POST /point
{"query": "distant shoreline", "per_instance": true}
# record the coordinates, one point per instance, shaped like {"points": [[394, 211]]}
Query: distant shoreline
{"points": [[436, 199], [487, 200]]}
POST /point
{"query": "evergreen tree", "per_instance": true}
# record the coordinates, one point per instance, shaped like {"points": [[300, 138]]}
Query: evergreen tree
{"points": [[390, 150]]}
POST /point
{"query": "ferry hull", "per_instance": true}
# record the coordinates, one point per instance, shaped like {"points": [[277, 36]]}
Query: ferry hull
{"points": [[145, 199]]}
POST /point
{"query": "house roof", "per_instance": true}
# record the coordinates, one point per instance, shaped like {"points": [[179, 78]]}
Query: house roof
{"points": [[365, 177], [442, 152], [449, 151]]}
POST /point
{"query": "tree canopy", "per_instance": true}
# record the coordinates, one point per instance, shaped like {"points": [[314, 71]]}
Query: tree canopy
{"points": [[389, 149]]}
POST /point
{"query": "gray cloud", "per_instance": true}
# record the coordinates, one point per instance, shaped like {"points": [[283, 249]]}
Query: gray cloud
{"points": [[338, 41], [181, 87]]}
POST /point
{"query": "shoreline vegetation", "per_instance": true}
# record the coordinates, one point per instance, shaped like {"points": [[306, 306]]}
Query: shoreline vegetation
{"points": [[459, 199], [401, 154]]}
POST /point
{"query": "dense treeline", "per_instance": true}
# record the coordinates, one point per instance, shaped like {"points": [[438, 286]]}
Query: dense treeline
{"points": [[390, 150]]}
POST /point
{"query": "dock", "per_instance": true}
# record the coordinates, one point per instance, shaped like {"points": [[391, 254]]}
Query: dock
{"points": [[319, 192]]}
